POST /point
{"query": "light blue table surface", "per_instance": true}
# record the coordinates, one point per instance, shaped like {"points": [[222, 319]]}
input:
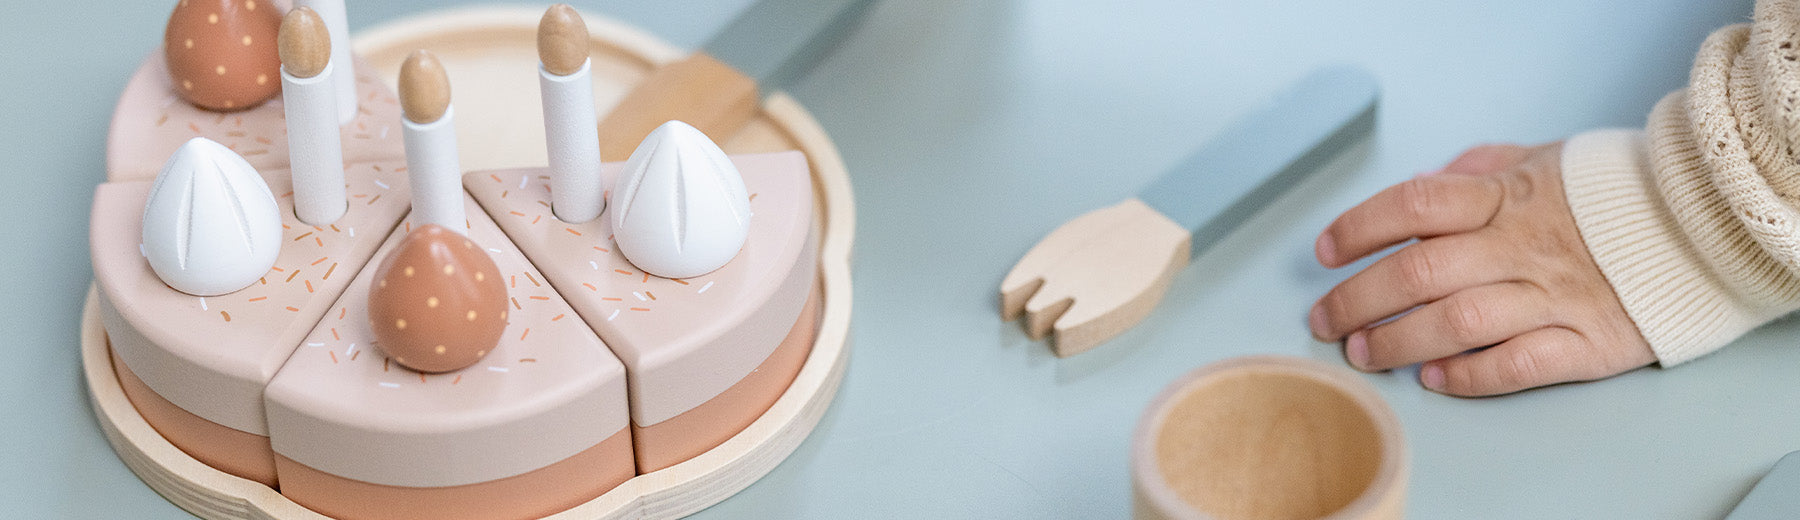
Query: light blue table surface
{"points": [[970, 130]]}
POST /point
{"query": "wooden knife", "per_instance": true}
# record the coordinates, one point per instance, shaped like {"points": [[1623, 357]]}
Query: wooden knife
{"points": [[718, 88]]}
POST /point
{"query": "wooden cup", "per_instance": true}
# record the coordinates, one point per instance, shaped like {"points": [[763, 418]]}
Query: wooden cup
{"points": [[1269, 437]]}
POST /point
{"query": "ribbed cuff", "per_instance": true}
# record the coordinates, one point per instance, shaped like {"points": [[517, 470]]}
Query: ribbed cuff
{"points": [[1679, 305]]}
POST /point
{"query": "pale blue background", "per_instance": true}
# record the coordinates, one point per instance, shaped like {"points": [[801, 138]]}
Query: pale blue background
{"points": [[971, 129]]}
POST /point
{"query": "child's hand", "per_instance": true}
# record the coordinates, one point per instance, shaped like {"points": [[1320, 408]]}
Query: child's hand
{"points": [[1498, 263]]}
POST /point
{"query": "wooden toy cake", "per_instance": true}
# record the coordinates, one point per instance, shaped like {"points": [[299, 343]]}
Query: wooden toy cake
{"points": [[304, 306]]}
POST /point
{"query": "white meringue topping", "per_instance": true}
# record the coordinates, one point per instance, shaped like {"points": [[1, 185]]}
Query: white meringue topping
{"points": [[680, 209]]}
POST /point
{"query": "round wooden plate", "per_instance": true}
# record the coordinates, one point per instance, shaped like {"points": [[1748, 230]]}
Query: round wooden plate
{"points": [[491, 55]]}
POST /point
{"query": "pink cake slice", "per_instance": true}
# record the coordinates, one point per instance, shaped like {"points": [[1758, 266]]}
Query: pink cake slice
{"points": [[684, 342], [535, 427], [211, 357], [151, 121]]}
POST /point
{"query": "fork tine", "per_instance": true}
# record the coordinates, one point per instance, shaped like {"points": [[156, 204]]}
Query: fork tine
{"points": [[1099, 313], [1095, 276], [1054, 298], [1040, 263], [1040, 321], [1014, 293]]}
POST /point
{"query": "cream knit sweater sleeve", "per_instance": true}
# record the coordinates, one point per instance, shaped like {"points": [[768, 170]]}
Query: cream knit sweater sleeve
{"points": [[1693, 220]]}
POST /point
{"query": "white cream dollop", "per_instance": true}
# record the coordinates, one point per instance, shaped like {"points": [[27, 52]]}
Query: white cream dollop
{"points": [[211, 226], [680, 209]]}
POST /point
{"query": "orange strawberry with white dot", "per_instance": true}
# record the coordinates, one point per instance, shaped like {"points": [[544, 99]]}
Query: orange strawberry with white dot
{"points": [[221, 54], [438, 303]]}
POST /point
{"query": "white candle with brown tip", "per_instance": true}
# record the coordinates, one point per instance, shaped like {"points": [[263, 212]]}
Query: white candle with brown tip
{"points": [[343, 73], [315, 151], [429, 128], [569, 119]]}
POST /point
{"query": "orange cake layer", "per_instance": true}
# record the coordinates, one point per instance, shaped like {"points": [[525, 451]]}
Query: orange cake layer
{"points": [[542, 492], [243, 454], [706, 426]]}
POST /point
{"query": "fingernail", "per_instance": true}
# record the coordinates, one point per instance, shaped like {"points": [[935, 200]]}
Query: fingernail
{"points": [[1316, 321], [1432, 376], [1325, 249], [1356, 348]]}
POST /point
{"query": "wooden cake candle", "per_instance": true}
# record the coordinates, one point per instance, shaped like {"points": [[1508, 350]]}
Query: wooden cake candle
{"points": [[431, 142], [566, 80], [311, 103], [343, 75]]}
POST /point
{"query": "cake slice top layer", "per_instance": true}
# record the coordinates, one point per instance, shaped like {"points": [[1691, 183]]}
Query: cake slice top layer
{"points": [[547, 391], [683, 340], [212, 356], [151, 122]]}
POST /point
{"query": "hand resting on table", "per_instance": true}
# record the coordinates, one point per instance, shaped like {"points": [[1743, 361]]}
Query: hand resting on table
{"points": [[1502, 294]]}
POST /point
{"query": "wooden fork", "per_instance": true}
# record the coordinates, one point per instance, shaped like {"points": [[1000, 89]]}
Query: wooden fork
{"points": [[1101, 273]]}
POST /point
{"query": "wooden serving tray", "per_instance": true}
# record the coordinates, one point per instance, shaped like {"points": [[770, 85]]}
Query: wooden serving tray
{"points": [[491, 55]]}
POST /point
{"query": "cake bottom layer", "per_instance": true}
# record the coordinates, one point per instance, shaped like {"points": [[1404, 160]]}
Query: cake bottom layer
{"points": [[538, 493], [542, 492], [704, 427], [246, 455]]}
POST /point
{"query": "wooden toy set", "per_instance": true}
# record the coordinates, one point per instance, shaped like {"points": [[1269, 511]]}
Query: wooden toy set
{"points": [[316, 295], [558, 269]]}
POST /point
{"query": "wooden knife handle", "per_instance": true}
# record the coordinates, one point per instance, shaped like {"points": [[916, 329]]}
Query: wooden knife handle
{"points": [[699, 90]]}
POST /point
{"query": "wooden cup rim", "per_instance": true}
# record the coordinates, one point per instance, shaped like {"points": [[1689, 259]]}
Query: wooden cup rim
{"points": [[1389, 480]]}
